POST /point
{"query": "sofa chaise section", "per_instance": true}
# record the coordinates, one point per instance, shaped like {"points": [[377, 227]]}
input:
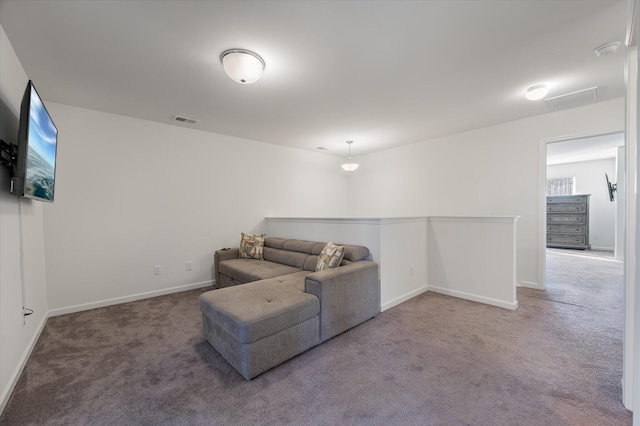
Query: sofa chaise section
{"points": [[257, 319], [259, 325]]}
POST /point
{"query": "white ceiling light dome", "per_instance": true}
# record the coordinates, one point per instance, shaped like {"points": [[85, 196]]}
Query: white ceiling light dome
{"points": [[607, 49], [242, 66], [536, 92], [350, 166]]}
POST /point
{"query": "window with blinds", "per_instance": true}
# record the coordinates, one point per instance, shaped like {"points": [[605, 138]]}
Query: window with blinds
{"points": [[561, 186]]}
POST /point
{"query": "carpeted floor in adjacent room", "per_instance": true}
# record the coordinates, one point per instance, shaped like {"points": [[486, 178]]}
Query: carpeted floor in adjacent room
{"points": [[433, 360]]}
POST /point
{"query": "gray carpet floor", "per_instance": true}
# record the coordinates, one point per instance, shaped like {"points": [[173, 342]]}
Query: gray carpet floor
{"points": [[433, 360]]}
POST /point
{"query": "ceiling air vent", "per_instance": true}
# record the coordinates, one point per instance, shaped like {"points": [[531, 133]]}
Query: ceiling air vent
{"points": [[574, 99], [184, 119]]}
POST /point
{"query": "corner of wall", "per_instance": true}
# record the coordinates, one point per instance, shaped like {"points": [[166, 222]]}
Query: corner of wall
{"points": [[22, 276]]}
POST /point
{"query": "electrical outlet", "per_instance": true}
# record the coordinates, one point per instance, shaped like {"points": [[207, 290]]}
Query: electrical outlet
{"points": [[157, 270], [410, 270], [595, 236], [188, 266]]}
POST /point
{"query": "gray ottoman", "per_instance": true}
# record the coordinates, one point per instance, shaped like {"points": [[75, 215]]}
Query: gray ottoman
{"points": [[259, 325]]}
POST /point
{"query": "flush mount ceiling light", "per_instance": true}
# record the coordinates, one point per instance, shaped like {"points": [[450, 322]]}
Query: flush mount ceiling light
{"points": [[242, 66], [607, 48], [350, 165], [536, 92]]}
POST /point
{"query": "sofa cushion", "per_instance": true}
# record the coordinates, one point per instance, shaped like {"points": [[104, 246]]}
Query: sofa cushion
{"points": [[251, 246], [301, 246], [351, 252], [317, 249], [285, 257], [259, 309], [311, 263], [275, 242], [247, 270], [355, 253], [330, 257]]}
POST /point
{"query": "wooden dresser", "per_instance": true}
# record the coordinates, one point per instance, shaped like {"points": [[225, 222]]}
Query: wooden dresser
{"points": [[568, 221]]}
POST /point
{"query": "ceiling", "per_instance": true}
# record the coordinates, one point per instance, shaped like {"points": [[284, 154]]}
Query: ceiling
{"points": [[383, 73], [584, 149]]}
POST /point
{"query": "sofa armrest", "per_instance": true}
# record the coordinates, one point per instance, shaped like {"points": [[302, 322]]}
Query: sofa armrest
{"points": [[349, 295], [218, 257]]}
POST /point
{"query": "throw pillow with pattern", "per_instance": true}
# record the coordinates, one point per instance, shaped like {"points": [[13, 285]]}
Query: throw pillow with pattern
{"points": [[330, 257], [251, 246]]}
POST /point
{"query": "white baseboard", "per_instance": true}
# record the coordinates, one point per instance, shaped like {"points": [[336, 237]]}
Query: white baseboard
{"points": [[599, 248], [530, 284], [125, 299], [475, 298], [403, 298], [13, 381]]}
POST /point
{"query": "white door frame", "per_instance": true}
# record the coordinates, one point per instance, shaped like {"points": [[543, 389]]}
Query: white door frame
{"points": [[542, 196], [630, 371]]}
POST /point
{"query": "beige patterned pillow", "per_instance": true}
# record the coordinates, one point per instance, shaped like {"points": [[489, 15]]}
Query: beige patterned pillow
{"points": [[330, 257], [251, 246]]}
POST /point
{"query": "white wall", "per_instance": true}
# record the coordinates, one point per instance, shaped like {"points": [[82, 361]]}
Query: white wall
{"points": [[492, 171], [16, 339], [404, 255], [590, 180], [131, 194], [473, 258], [418, 254]]}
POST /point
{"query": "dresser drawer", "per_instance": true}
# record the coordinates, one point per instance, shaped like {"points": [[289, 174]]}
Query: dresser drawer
{"points": [[566, 229], [566, 218], [566, 240], [567, 208], [567, 199]]}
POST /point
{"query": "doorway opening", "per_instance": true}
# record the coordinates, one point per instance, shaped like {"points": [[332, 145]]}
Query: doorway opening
{"points": [[584, 209], [583, 228]]}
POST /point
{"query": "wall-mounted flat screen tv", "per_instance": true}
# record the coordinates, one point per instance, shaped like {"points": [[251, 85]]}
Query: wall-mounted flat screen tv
{"points": [[35, 171], [612, 188]]}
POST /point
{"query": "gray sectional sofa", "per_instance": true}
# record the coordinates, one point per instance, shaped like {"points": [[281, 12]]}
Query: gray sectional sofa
{"points": [[265, 312]]}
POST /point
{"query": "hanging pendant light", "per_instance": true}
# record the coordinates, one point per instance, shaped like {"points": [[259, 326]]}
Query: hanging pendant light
{"points": [[242, 66], [350, 165]]}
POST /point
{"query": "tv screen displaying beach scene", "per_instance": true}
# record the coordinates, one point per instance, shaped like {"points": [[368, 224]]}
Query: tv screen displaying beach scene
{"points": [[41, 151]]}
